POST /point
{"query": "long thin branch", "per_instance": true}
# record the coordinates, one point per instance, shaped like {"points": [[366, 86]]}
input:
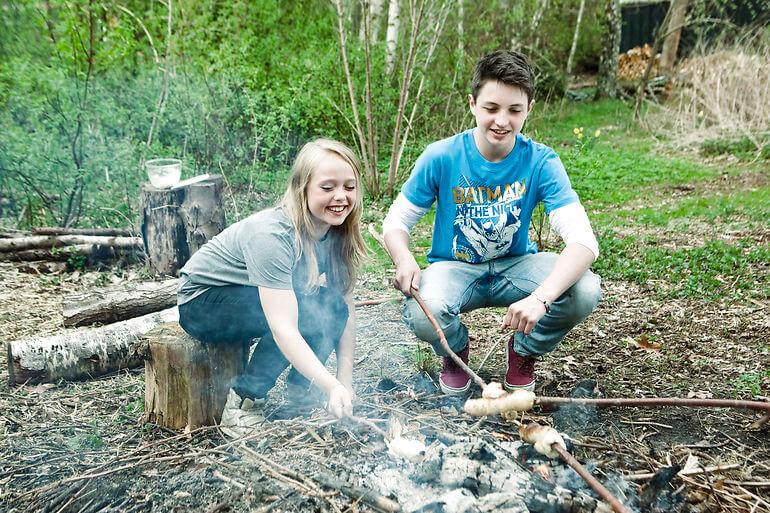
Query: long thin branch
{"points": [[351, 91], [590, 479]]}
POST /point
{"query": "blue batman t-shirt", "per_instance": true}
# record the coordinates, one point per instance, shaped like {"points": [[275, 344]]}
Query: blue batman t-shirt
{"points": [[484, 208]]}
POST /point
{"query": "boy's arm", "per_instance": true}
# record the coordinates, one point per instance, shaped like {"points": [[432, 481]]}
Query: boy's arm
{"points": [[580, 251], [281, 312], [401, 218], [346, 347]]}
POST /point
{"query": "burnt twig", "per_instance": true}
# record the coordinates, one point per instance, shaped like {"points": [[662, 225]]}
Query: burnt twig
{"points": [[591, 480]]}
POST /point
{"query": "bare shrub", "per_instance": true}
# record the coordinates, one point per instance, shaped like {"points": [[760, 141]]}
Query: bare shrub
{"points": [[723, 93]]}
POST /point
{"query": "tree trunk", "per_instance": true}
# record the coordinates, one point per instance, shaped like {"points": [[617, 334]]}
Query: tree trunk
{"points": [[93, 253], [391, 36], [82, 353], [115, 304], [673, 35], [607, 80], [176, 222], [186, 381], [575, 37]]}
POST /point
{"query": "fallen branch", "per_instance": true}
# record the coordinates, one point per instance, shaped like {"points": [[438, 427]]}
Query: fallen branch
{"points": [[82, 353], [104, 232], [57, 241], [656, 401], [115, 304], [359, 493], [687, 472]]}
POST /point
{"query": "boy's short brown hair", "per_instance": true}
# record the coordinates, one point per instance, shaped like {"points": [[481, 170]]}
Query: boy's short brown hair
{"points": [[507, 66]]}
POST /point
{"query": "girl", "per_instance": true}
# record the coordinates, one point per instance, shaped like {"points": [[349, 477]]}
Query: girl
{"points": [[285, 275]]}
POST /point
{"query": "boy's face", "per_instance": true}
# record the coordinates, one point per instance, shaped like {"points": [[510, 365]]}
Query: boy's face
{"points": [[332, 192], [500, 111]]}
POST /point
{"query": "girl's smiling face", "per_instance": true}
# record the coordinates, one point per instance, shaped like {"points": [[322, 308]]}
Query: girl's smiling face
{"points": [[331, 192]]}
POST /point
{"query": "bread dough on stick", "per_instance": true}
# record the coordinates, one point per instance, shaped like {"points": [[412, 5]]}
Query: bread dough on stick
{"points": [[542, 437], [519, 400]]}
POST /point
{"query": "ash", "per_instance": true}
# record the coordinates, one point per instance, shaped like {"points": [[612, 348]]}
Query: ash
{"points": [[477, 476]]}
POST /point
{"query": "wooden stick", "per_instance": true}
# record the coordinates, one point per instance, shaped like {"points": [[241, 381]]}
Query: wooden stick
{"points": [[761, 422], [656, 401], [692, 472], [358, 492], [591, 480], [444, 343]]}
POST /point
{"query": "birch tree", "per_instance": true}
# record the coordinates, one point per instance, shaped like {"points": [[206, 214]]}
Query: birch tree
{"points": [[391, 36], [419, 36], [575, 37]]}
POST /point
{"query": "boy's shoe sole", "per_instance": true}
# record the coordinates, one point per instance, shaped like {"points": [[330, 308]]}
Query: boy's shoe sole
{"points": [[512, 388], [452, 390]]}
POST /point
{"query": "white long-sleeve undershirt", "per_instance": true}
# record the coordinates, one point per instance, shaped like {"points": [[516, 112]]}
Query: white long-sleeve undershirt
{"points": [[570, 222]]}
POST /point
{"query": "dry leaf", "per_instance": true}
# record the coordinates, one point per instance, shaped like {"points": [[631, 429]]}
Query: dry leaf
{"points": [[645, 343]]}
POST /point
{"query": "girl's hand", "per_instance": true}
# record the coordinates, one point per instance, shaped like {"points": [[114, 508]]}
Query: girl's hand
{"points": [[340, 401], [523, 315]]}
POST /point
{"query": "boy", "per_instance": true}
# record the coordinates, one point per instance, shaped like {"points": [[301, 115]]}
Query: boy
{"points": [[486, 182]]}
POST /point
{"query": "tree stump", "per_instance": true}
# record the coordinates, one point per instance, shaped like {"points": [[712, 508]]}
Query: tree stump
{"points": [[176, 222], [187, 381]]}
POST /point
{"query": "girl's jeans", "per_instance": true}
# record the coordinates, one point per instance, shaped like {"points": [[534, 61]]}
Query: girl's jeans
{"points": [[233, 314], [450, 288]]}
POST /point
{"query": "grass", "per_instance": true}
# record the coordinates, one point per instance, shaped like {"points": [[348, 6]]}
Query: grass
{"points": [[741, 206]]}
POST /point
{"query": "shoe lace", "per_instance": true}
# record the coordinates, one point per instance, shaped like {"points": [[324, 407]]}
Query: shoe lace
{"points": [[526, 365]]}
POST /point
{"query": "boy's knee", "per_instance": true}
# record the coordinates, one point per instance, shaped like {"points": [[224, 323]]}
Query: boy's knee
{"points": [[586, 294], [418, 323]]}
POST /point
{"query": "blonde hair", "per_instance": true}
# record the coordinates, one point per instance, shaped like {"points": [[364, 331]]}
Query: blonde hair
{"points": [[348, 247]]}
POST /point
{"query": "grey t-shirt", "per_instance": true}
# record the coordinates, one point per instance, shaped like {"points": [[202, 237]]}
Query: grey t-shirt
{"points": [[256, 251]]}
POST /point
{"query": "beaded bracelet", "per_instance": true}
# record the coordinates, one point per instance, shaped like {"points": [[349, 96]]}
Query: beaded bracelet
{"points": [[545, 303]]}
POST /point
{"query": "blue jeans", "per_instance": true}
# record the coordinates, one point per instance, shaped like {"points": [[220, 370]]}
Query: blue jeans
{"points": [[450, 288], [233, 315]]}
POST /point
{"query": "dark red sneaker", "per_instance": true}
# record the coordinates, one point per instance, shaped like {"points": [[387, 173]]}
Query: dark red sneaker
{"points": [[521, 370], [454, 380]]}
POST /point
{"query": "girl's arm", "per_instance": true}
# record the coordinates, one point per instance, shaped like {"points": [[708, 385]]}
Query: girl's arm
{"points": [[280, 307], [346, 347]]}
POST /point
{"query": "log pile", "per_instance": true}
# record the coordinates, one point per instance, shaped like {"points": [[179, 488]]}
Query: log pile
{"points": [[631, 68], [633, 63], [62, 245]]}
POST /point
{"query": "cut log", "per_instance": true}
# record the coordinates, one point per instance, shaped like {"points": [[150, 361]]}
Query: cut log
{"points": [[106, 232], [115, 304], [82, 353], [93, 253], [57, 241], [186, 381], [176, 222]]}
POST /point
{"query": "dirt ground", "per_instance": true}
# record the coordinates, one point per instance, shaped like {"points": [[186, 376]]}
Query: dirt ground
{"points": [[83, 447]]}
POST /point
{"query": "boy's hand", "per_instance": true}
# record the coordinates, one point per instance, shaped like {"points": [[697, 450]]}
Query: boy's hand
{"points": [[407, 277], [340, 401], [523, 315]]}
